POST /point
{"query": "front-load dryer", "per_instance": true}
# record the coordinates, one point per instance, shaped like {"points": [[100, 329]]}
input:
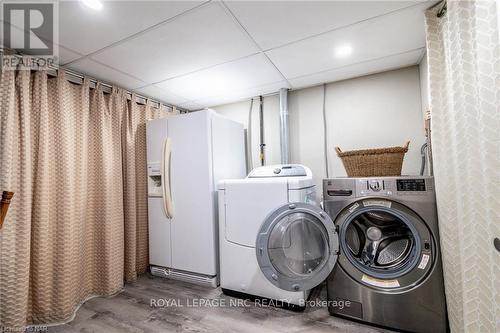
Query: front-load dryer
{"points": [[245, 208]]}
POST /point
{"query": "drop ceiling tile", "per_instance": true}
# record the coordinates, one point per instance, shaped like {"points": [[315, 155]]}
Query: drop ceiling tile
{"points": [[201, 38], [16, 32], [86, 30], [234, 96], [356, 70], [220, 80], [17, 36], [67, 55], [372, 39], [162, 95], [275, 23], [106, 74]]}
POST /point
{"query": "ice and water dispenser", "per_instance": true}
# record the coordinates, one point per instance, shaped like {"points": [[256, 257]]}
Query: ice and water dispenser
{"points": [[154, 180]]}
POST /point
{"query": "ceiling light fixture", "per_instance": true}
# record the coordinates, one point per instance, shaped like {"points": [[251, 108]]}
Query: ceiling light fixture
{"points": [[94, 4], [343, 51]]}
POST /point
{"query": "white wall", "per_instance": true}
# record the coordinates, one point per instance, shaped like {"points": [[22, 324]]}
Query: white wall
{"points": [[423, 69], [306, 131], [240, 112], [378, 110]]}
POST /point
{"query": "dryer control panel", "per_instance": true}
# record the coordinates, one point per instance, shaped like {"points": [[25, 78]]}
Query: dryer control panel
{"points": [[280, 170]]}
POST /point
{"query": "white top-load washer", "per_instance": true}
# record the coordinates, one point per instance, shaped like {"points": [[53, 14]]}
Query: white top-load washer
{"points": [[244, 205]]}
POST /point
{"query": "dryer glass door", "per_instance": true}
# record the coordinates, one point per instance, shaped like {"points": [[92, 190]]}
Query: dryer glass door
{"points": [[297, 247]]}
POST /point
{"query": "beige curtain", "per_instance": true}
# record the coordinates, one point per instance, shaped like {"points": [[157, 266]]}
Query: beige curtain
{"points": [[464, 74], [77, 226], [135, 185]]}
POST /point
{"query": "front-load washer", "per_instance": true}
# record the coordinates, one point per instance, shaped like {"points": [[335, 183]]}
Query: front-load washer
{"points": [[377, 245], [389, 267], [244, 207]]}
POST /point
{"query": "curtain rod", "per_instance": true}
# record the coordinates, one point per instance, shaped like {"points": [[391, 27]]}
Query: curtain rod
{"points": [[442, 11], [77, 78]]}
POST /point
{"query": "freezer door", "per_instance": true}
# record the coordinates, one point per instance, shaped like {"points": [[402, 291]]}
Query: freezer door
{"points": [[156, 133], [160, 253], [193, 224]]}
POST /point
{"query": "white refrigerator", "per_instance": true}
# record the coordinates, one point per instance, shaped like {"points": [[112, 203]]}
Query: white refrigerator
{"points": [[187, 155]]}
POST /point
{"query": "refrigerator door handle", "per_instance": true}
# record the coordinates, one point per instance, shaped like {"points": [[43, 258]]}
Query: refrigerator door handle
{"points": [[165, 176]]}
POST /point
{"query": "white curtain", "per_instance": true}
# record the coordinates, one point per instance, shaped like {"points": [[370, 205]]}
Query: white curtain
{"points": [[464, 75]]}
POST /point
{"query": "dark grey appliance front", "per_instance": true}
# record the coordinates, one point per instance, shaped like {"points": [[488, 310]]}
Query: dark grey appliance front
{"points": [[388, 272]]}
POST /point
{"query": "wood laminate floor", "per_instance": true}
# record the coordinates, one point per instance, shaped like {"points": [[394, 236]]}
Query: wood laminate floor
{"points": [[131, 311]]}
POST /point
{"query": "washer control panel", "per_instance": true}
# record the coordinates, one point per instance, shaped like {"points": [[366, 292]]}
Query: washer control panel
{"points": [[392, 186], [383, 186], [373, 186], [411, 185]]}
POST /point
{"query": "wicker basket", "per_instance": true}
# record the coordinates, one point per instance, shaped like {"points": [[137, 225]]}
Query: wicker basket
{"points": [[373, 162]]}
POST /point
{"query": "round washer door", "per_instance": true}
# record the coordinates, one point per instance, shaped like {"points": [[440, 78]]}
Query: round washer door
{"points": [[297, 247], [384, 244]]}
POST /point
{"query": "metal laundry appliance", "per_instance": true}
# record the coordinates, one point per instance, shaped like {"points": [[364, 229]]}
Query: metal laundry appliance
{"points": [[376, 244], [389, 266]]}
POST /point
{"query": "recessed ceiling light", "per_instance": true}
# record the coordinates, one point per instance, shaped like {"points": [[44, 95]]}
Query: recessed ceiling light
{"points": [[343, 51], [94, 4]]}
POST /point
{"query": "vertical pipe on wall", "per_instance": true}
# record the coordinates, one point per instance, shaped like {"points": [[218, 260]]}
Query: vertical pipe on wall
{"points": [[261, 121], [284, 127], [428, 134], [325, 132], [249, 139]]}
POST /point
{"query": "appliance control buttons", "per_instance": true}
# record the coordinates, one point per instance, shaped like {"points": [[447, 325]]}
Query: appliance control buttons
{"points": [[375, 185], [277, 170]]}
